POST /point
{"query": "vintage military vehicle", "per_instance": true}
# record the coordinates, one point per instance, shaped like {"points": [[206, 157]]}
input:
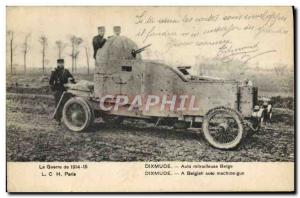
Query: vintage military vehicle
{"points": [[126, 86]]}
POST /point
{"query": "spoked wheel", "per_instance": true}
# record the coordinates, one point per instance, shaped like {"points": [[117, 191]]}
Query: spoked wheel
{"points": [[77, 114], [223, 128]]}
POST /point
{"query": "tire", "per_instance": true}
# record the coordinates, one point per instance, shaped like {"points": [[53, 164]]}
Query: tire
{"points": [[77, 114], [230, 128]]}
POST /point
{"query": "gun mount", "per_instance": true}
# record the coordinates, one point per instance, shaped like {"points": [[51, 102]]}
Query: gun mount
{"points": [[135, 52]]}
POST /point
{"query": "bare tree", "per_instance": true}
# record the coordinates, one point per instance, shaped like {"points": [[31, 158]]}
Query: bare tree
{"points": [[44, 42], [75, 42], [25, 48], [87, 54], [12, 48], [60, 46]]}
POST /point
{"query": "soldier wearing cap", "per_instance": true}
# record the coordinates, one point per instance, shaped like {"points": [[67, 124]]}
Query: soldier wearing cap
{"points": [[99, 40], [59, 77], [117, 30]]}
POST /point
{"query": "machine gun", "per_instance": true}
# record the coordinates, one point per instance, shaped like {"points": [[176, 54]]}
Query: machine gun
{"points": [[135, 52]]}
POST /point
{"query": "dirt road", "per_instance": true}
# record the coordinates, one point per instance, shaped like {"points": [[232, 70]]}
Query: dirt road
{"points": [[32, 136]]}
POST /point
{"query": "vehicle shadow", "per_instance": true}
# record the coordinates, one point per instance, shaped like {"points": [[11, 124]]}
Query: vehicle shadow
{"points": [[147, 129]]}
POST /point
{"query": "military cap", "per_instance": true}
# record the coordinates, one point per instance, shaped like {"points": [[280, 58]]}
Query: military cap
{"points": [[101, 28], [117, 28], [61, 60]]}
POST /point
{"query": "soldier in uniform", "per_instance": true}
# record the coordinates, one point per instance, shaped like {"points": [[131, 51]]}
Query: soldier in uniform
{"points": [[117, 30], [99, 40], [59, 77]]}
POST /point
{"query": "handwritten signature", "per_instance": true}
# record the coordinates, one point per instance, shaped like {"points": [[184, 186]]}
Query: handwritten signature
{"points": [[227, 53]]}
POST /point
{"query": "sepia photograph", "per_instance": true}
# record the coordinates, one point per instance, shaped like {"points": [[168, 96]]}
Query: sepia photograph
{"points": [[150, 84]]}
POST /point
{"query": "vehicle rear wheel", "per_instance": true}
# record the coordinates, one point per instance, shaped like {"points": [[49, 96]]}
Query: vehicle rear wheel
{"points": [[223, 128], [77, 114]]}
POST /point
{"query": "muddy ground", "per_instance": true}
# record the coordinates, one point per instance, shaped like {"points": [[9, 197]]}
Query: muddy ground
{"points": [[32, 136]]}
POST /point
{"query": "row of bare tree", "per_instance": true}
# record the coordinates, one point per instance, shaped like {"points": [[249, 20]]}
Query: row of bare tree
{"points": [[43, 40]]}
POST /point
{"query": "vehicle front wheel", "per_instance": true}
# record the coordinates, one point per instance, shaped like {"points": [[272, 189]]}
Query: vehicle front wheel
{"points": [[223, 128], [77, 114]]}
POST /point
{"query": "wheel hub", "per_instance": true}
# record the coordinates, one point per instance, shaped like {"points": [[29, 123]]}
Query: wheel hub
{"points": [[75, 115], [223, 127]]}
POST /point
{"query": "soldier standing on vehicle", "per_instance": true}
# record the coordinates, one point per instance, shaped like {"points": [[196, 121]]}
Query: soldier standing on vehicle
{"points": [[117, 30], [59, 77], [99, 40]]}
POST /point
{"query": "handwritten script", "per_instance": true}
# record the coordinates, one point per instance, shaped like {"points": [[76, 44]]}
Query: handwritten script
{"points": [[234, 36]]}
